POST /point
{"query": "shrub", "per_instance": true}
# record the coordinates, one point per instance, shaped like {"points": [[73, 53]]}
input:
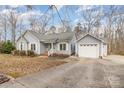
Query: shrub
{"points": [[59, 55], [7, 47], [120, 52], [16, 52], [22, 53], [1, 47], [30, 53]]}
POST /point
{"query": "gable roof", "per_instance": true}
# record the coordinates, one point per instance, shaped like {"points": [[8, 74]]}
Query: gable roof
{"points": [[22, 36], [91, 36], [55, 37], [64, 36]]}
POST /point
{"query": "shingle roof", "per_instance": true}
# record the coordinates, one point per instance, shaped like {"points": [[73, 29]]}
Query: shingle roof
{"points": [[55, 37]]}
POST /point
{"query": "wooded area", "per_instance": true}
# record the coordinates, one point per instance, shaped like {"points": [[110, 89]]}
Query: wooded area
{"points": [[107, 25]]}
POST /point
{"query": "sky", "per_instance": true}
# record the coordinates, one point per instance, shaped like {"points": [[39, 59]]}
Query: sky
{"points": [[70, 13]]}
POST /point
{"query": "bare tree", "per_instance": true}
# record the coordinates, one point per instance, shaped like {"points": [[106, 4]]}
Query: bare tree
{"points": [[12, 19], [90, 18], [110, 27], [4, 24]]}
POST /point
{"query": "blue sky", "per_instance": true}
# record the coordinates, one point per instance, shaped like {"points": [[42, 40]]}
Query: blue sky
{"points": [[70, 13]]}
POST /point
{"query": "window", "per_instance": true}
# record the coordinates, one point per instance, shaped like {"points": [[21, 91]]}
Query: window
{"points": [[95, 44], [21, 46], [62, 46], [33, 47]]}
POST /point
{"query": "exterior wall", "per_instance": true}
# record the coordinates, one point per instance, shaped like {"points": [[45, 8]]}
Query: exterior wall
{"points": [[40, 48], [68, 48], [58, 51], [72, 45], [88, 40], [24, 42], [33, 40], [104, 49], [101, 49]]}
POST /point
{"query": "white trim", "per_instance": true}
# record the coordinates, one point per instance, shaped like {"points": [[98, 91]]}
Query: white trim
{"points": [[36, 49], [97, 49], [91, 36], [63, 43]]}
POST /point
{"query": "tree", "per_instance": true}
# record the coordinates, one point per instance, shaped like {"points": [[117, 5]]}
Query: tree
{"points": [[90, 18], [13, 18], [110, 27], [4, 24], [7, 47]]}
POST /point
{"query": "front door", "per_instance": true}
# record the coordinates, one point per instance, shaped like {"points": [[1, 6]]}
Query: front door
{"points": [[48, 46]]}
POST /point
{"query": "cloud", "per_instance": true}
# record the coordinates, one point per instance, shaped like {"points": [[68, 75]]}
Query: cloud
{"points": [[88, 7], [59, 7], [29, 14], [7, 12], [84, 7], [14, 6]]}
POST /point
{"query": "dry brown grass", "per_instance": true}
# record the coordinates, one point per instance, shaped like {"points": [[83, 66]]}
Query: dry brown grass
{"points": [[17, 66]]}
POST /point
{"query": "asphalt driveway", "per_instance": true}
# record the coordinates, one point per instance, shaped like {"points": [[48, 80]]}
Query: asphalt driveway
{"points": [[78, 73]]}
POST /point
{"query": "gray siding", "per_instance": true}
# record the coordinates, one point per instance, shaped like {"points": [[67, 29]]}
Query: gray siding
{"points": [[42, 48], [90, 40]]}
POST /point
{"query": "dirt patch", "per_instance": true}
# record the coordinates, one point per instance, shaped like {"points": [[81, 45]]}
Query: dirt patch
{"points": [[17, 66]]}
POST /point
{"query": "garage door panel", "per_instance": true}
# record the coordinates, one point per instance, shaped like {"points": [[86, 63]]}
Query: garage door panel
{"points": [[88, 50]]}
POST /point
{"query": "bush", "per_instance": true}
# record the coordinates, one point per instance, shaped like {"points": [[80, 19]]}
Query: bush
{"points": [[30, 53], [120, 53], [16, 52], [1, 47], [22, 53], [59, 55], [7, 47]]}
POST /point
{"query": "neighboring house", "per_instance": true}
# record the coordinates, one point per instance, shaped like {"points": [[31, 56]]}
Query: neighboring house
{"points": [[90, 46], [59, 43], [62, 43]]}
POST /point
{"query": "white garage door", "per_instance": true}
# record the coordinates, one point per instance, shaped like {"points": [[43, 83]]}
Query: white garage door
{"points": [[88, 50]]}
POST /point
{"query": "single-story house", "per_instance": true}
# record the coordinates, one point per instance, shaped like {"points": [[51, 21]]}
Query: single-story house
{"points": [[62, 43], [90, 46], [59, 43]]}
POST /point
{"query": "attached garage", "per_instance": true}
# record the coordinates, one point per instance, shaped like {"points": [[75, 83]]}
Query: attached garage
{"points": [[85, 50], [90, 46]]}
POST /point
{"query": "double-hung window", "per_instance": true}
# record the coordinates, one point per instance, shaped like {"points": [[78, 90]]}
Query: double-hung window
{"points": [[22, 46], [62, 47], [33, 47]]}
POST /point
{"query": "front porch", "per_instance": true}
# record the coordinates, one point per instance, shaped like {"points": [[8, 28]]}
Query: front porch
{"points": [[50, 48], [57, 49]]}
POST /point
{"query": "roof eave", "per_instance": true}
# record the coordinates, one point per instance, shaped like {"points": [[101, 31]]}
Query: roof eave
{"points": [[91, 36]]}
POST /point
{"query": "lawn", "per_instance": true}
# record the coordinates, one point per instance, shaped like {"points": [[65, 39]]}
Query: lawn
{"points": [[17, 66]]}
